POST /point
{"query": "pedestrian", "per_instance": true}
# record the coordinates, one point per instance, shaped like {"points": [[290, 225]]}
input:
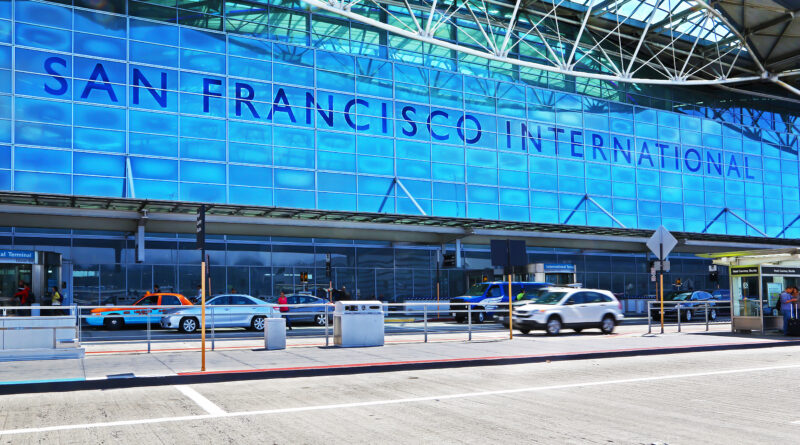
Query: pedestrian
{"points": [[24, 296], [199, 298], [788, 301], [345, 294], [156, 289], [233, 290], [284, 310], [56, 300]]}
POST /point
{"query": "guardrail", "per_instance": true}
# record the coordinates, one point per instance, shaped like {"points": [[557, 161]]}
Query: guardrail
{"points": [[684, 311]]}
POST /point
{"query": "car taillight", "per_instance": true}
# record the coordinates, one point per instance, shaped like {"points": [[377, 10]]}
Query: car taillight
{"points": [[619, 304]]}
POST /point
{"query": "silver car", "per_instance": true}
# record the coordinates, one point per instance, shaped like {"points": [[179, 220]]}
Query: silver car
{"points": [[229, 311]]}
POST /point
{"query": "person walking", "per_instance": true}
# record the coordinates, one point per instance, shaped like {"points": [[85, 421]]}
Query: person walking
{"points": [[788, 302], [55, 300], [24, 296], [285, 309]]}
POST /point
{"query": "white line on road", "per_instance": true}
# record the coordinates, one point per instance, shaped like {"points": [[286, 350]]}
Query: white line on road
{"points": [[209, 406], [223, 414]]}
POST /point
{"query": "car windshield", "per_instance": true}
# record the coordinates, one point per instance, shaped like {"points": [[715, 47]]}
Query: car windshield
{"points": [[477, 290], [548, 297], [679, 297], [533, 294]]}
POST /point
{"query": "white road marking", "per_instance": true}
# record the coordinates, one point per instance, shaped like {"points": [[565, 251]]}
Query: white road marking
{"points": [[223, 414], [209, 406]]}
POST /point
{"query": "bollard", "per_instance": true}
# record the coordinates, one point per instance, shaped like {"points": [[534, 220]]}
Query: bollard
{"points": [[326, 325], [212, 329], [678, 312], [148, 330], [425, 319], [649, 319], [469, 320]]}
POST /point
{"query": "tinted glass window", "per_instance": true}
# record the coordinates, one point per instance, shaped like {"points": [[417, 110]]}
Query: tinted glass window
{"points": [[240, 300], [495, 291], [170, 300], [149, 301], [515, 289], [292, 300], [220, 301], [578, 298]]}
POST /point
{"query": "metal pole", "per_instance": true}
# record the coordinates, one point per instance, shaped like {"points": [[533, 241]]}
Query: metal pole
{"points": [[149, 311], [203, 314], [78, 311], [649, 317], [326, 325], [469, 320], [425, 319], [213, 330], [678, 307], [661, 295], [706, 304], [510, 300]]}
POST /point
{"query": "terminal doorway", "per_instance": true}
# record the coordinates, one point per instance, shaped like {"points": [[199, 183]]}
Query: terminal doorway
{"points": [[40, 270]]}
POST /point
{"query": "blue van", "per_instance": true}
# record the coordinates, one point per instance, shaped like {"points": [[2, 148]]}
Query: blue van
{"points": [[495, 291]]}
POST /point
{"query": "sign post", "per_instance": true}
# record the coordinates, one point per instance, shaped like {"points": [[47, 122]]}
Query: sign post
{"points": [[509, 253], [201, 244], [661, 244]]}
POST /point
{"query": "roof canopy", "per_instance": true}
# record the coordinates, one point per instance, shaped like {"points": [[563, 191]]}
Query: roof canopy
{"points": [[663, 42]]}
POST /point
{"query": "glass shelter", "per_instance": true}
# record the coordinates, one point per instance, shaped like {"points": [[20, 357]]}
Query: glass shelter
{"points": [[757, 278]]}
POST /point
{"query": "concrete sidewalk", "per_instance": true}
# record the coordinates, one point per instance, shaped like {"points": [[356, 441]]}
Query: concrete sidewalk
{"points": [[123, 365]]}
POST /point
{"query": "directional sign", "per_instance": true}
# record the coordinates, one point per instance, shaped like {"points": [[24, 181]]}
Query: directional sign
{"points": [[661, 243]]}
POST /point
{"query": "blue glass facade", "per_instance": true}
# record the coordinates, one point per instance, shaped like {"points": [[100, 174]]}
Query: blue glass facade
{"points": [[102, 104]]}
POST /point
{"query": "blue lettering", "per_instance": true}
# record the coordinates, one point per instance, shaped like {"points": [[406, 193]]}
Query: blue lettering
{"points": [[535, 141], [384, 117], [347, 114], [438, 137], [644, 153], [311, 104], [576, 143], [556, 131], [734, 167], [138, 78], [460, 128], [105, 85], [597, 146], [711, 162], [686, 160], [626, 152], [409, 109], [747, 168], [207, 93], [281, 104], [245, 99], [62, 83]]}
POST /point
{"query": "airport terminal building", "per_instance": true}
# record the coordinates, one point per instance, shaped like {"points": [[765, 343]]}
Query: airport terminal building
{"points": [[383, 135]]}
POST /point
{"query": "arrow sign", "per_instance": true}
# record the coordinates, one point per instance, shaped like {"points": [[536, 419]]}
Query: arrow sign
{"points": [[661, 243]]}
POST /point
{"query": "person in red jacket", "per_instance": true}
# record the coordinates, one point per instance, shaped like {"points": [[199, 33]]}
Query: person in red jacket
{"points": [[24, 296], [285, 309]]}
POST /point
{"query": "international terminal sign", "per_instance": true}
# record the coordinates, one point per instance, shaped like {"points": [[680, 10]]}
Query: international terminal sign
{"points": [[259, 101]]}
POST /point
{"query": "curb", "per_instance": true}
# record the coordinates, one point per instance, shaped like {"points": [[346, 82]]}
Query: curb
{"points": [[131, 381]]}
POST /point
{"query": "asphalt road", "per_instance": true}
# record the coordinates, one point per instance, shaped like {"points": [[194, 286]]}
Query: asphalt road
{"points": [[730, 397]]}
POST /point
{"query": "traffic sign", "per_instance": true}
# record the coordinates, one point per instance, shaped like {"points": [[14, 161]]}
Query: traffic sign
{"points": [[200, 226], [661, 243]]}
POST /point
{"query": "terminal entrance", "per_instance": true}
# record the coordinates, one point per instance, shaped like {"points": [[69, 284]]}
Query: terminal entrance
{"points": [[40, 270]]}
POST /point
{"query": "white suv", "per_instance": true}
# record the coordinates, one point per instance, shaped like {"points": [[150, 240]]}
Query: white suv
{"points": [[576, 309]]}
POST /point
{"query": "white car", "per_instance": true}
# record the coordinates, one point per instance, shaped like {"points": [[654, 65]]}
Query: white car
{"points": [[576, 309], [229, 311]]}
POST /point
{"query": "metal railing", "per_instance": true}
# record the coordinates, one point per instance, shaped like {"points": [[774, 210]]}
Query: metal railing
{"points": [[683, 311]]}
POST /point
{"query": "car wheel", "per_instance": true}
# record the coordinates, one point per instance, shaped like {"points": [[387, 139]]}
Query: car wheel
{"points": [[688, 315], [577, 330], [319, 319], [525, 331], [712, 315], [480, 317], [607, 325], [257, 324], [114, 324], [553, 326], [188, 325]]}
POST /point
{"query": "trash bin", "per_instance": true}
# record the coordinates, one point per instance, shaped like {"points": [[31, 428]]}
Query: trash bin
{"points": [[358, 323], [274, 333]]}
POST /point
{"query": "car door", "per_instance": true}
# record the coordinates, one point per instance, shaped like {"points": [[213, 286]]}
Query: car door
{"points": [[594, 307], [139, 316], [221, 311], [241, 312], [166, 300], [293, 301], [572, 311]]}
